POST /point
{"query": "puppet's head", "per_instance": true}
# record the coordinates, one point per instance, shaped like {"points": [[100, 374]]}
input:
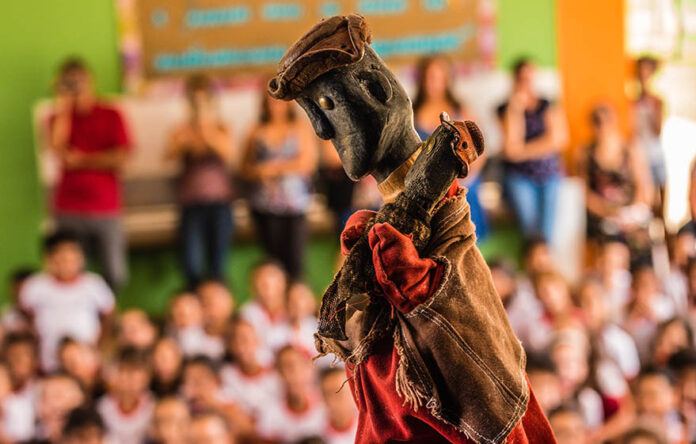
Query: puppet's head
{"points": [[349, 94]]}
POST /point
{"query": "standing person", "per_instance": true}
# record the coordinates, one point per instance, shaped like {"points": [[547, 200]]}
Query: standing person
{"points": [[279, 157], [91, 141], [203, 147], [618, 185], [433, 96], [534, 133], [647, 115]]}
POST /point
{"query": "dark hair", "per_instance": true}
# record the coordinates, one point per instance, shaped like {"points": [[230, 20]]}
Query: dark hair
{"points": [[19, 275], [266, 262], [651, 371], [519, 64], [649, 60], [132, 357], [203, 361], [198, 82], [423, 66], [59, 238], [265, 112], [81, 418], [72, 64], [503, 265], [662, 327], [568, 407], [532, 242], [682, 360], [644, 433], [540, 362], [18, 338], [598, 111], [312, 440]]}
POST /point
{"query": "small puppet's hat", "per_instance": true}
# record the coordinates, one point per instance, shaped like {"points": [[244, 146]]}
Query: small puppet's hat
{"points": [[330, 44]]}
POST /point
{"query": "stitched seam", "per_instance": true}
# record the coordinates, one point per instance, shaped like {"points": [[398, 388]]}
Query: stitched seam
{"points": [[443, 282], [429, 313]]}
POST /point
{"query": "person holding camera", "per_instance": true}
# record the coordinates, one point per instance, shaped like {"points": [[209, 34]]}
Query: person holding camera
{"points": [[91, 142]]}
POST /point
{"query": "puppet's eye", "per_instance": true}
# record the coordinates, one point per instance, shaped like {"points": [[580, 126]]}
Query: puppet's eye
{"points": [[326, 103]]}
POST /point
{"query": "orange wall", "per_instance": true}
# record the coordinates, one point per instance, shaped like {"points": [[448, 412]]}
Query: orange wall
{"points": [[591, 61]]}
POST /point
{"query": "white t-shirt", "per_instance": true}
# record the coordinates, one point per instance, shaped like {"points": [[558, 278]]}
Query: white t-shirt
{"points": [[126, 428], [258, 317], [194, 341], [333, 436], [65, 309], [252, 393], [278, 422], [303, 337], [18, 415], [621, 348]]}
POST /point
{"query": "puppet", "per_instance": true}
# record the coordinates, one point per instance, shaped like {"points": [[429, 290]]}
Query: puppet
{"points": [[428, 349]]}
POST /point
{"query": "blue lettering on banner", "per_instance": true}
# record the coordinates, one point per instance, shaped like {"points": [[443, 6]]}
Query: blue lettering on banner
{"points": [[424, 44], [382, 7], [434, 5], [159, 18], [329, 9], [282, 11], [228, 57], [209, 18]]}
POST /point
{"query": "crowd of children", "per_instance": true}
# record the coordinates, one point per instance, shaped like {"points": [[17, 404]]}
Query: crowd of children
{"points": [[611, 359], [73, 371]]}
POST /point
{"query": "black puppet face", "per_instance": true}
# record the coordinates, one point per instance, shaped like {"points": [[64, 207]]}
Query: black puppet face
{"points": [[358, 107]]}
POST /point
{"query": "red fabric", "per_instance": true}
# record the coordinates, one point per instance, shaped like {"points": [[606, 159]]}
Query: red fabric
{"points": [[406, 280], [355, 225], [92, 191], [384, 417]]}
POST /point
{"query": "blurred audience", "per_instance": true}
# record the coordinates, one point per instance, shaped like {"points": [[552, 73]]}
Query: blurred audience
{"points": [[91, 141], [203, 147], [648, 110], [619, 190], [279, 158], [534, 134]]}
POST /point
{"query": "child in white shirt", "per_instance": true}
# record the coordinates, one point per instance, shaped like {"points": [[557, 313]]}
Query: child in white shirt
{"points": [[65, 300]]}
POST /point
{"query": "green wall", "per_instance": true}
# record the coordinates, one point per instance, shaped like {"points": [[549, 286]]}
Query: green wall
{"points": [[35, 35], [526, 28]]}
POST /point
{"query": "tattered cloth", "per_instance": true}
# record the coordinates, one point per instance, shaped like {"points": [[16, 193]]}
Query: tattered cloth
{"points": [[458, 356]]}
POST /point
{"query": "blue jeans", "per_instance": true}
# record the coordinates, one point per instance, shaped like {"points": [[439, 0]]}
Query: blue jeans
{"points": [[205, 231], [534, 203], [478, 215]]}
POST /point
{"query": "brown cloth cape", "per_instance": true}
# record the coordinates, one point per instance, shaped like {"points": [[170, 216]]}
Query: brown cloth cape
{"points": [[458, 355]]}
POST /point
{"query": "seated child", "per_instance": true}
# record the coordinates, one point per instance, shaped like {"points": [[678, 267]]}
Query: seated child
{"points": [[83, 426], [210, 428], [167, 363], [201, 388], [127, 406], [17, 413], [542, 376], [568, 425], [65, 300], [267, 308], [298, 412], [656, 400], [186, 315], [170, 422], [245, 380], [341, 413], [301, 323], [217, 304], [135, 329], [81, 361], [58, 394]]}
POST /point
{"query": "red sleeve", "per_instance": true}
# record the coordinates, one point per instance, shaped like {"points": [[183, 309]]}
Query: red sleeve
{"points": [[406, 279], [119, 136]]}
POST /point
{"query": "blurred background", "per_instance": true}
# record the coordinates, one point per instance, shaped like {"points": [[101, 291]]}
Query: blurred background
{"points": [[139, 144]]}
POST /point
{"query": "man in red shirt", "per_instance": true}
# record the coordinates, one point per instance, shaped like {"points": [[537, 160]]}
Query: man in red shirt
{"points": [[91, 142]]}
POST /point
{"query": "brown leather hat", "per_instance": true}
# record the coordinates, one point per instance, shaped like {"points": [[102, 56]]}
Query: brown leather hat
{"points": [[330, 44]]}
